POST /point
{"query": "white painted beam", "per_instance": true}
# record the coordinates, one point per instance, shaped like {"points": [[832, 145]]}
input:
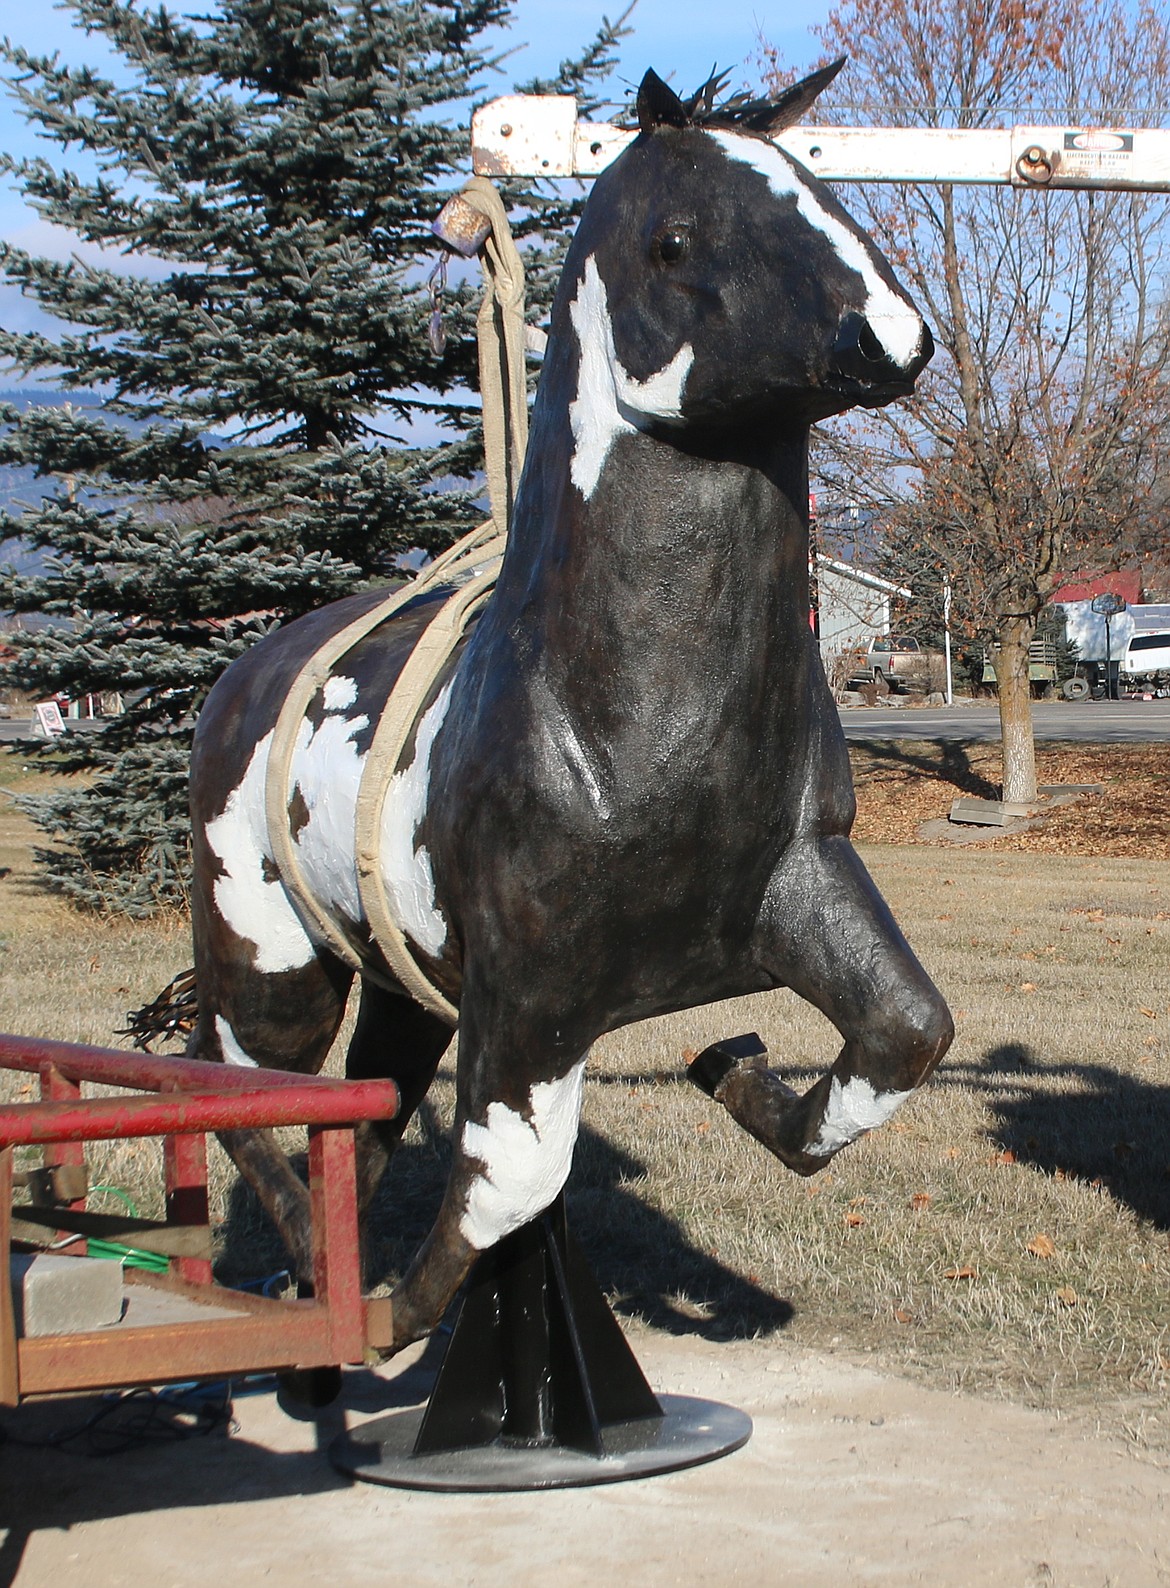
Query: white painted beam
{"points": [[531, 135]]}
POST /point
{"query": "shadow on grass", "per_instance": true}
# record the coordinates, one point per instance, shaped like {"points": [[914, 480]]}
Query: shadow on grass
{"points": [[1095, 1123], [642, 1258], [946, 762]]}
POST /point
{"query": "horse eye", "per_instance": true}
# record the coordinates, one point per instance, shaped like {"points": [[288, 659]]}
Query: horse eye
{"points": [[672, 245]]}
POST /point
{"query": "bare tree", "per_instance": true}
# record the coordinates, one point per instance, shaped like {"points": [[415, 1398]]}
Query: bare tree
{"points": [[1029, 445]]}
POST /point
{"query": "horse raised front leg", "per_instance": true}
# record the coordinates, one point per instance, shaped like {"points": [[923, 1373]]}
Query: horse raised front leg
{"points": [[827, 933], [516, 1120]]}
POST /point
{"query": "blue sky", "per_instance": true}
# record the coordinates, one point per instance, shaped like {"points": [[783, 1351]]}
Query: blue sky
{"points": [[681, 39]]}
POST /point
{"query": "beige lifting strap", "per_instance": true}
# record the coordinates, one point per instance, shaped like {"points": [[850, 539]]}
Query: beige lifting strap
{"points": [[473, 564]]}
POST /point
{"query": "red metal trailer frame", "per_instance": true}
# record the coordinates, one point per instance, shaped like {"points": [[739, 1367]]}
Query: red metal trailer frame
{"points": [[191, 1098]]}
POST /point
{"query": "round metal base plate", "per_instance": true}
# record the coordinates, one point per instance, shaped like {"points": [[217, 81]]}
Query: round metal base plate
{"points": [[690, 1432]]}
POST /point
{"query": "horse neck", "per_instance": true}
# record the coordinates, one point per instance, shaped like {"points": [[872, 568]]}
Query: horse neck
{"points": [[678, 545]]}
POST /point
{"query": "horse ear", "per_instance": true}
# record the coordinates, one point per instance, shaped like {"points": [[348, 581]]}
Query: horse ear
{"points": [[658, 104], [794, 101]]}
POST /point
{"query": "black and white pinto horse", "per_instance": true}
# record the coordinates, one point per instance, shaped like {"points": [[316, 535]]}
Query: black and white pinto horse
{"points": [[629, 794]]}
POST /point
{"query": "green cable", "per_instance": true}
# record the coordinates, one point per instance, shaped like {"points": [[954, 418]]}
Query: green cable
{"points": [[130, 1256]]}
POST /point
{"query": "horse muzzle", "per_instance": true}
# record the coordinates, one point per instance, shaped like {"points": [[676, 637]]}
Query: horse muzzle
{"points": [[867, 368]]}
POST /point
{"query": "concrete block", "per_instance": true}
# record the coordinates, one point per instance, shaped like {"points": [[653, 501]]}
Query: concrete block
{"points": [[64, 1295], [989, 813]]}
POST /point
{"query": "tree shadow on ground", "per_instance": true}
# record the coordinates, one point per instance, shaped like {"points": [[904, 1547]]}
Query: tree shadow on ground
{"points": [[643, 1259], [1087, 1121], [948, 761]]}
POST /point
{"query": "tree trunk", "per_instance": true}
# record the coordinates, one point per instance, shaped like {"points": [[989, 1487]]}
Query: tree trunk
{"points": [[1015, 708]]}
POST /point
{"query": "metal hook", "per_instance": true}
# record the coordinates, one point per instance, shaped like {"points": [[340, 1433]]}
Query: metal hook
{"points": [[436, 283]]}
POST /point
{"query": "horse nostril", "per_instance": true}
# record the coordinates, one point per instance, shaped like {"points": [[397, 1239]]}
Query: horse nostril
{"points": [[858, 353], [869, 345]]}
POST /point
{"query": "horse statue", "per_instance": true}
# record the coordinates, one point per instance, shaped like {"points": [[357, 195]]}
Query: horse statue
{"points": [[628, 791]]}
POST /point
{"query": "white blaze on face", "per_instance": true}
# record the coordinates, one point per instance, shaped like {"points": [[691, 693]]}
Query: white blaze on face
{"points": [[895, 322], [853, 1110], [407, 871], [525, 1161], [609, 400], [255, 907]]}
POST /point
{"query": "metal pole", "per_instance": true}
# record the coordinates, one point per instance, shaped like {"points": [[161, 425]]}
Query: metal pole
{"points": [[947, 639]]}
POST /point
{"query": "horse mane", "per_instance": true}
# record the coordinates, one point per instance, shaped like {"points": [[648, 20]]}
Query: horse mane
{"points": [[658, 105]]}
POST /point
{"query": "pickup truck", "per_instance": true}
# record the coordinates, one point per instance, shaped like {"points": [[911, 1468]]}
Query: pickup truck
{"points": [[895, 661]]}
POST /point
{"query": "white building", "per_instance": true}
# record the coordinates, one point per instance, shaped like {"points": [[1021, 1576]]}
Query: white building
{"points": [[853, 605]]}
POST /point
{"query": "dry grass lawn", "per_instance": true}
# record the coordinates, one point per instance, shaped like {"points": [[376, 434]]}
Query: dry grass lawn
{"points": [[1009, 1231]]}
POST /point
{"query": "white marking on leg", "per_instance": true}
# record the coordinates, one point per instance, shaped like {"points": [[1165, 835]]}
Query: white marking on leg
{"points": [[254, 906], [525, 1161], [229, 1046], [609, 400], [853, 1110], [407, 870], [895, 321]]}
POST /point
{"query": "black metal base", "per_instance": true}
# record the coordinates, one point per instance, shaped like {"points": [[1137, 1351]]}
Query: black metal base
{"points": [[538, 1389], [688, 1433]]}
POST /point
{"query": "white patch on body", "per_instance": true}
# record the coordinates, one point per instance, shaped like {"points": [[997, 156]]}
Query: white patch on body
{"points": [[895, 322], [256, 909], [326, 770], [339, 694], [407, 871], [853, 1110], [525, 1161], [229, 1046], [609, 399]]}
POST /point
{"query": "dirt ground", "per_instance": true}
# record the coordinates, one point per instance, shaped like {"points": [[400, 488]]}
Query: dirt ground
{"points": [[849, 1477]]}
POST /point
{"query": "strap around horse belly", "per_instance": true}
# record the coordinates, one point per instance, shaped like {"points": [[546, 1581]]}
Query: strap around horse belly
{"points": [[483, 549], [505, 425]]}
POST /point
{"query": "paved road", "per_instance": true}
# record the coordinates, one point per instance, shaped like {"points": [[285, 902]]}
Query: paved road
{"points": [[1090, 722]]}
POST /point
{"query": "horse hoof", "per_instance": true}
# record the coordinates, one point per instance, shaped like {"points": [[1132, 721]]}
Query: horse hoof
{"points": [[714, 1064], [303, 1390]]}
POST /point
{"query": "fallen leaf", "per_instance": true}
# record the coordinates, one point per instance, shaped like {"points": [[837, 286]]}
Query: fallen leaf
{"points": [[703, 1127], [1028, 986], [853, 1220], [1150, 1014], [953, 1152], [1007, 1156], [903, 1316], [1067, 1296], [960, 1273], [1042, 1246], [920, 1200]]}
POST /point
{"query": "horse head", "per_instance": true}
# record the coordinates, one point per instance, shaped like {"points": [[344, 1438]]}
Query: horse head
{"points": [[714, 280]]}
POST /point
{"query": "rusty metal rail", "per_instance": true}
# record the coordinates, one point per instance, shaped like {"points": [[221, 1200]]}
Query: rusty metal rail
{"points": [[241, 1333]]}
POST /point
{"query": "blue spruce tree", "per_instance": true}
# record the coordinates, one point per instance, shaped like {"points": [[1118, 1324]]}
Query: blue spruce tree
{"points": [[276, 428]]}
